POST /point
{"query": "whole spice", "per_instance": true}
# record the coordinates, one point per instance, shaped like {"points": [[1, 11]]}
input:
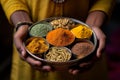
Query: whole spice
{"points": [[40, 29], [58, 54], [60, 37], [37, 45], [82, 31], [64, 23]]}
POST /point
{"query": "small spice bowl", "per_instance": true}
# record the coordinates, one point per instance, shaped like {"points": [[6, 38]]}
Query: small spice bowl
{"points": [[36, 46], [82, 48], [40, 29], [58, 54]]}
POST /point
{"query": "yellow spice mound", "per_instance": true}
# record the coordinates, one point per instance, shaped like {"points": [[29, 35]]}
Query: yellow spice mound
{"points": [[82, 31], [37, 45]]}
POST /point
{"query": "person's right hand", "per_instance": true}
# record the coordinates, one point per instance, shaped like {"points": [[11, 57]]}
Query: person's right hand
{"points": [[19, 36]]}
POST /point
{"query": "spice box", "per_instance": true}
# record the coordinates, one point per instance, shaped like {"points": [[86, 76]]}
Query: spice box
{"points": [[64, 37]]}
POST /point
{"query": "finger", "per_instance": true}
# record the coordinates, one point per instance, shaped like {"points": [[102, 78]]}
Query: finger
{"points": [[85, 64], [37, 68], [43, 69], [74, 72], [46, 68], [101, 37], [81, 68], [33, 62], [101, 46], [24, 52], [21, 49]]}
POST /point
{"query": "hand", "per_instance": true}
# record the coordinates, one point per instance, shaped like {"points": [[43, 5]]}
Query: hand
{"points": [[18, 40], [101, 40], [95, 20], [84, 66]]}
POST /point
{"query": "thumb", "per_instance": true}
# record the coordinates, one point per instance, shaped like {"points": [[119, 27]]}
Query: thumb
{"points": [[23, 54], [101, 47]]}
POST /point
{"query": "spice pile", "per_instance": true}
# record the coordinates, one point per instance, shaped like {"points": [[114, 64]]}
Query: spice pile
{"points": [[64, 37], [40, 30], [82, 48], [60, 37], [37, 45], [58, 54], [81, 31], [64, 23]]}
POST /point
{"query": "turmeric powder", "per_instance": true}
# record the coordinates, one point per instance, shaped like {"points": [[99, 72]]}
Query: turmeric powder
{"points": [[60, 37], [82, 31], [37, 45]]}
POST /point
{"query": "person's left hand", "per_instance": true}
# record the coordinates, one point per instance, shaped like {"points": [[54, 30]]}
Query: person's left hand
{"points": [[87, 65], [101, 40], [82, 66]]}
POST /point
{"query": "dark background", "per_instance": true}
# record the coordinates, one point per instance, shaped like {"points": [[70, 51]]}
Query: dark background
{"points": [[112, 31], [5, 46]]}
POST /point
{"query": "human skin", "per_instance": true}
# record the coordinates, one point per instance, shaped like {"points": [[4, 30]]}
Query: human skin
{"points": [[95, 20]]}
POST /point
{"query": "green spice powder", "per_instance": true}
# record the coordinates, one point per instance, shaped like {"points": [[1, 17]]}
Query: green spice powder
{"points": [[40, 30]]}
